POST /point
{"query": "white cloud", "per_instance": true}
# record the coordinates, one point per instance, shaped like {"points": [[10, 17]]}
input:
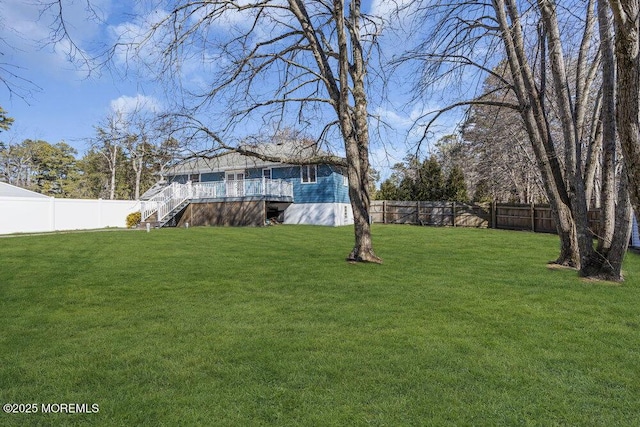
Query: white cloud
{"points": [[33, 32], [130, 104], [133, 46], [412, 124], [227, 18], [142, 45], [400, 121], [394, 118], [404, 133], [398, 11]]}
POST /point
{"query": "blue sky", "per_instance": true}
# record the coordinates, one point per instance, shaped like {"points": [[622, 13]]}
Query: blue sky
{"points": [[57, 100], [63, 102]]}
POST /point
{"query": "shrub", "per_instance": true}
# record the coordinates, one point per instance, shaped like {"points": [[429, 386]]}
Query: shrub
{"points": [[133, 219]]}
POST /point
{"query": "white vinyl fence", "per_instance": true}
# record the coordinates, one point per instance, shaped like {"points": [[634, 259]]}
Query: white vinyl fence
{"points": [[30, 215]]}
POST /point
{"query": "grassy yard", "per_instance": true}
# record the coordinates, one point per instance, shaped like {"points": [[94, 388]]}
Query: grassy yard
{"points": [[270, 326]]}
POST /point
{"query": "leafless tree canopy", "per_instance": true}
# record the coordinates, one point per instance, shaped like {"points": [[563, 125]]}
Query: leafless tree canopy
{"points": [[553, 56], [61, 37], [270, 64]]}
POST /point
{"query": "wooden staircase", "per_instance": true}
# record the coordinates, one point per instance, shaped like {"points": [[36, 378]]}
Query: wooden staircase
{"points": [[162, 208], [168, 219]]}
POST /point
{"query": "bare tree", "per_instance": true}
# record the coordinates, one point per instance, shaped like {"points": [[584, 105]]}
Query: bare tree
{"points": [[141, 131], [500, 155], [52, 13], [571, 112], [272, 64], [616, 208], [109, 142], [531, 42], [16, 164], [627, 50]]}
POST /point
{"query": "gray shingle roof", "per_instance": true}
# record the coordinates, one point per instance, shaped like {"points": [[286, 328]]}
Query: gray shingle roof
{"points": [[232, 160], [224, 162]]}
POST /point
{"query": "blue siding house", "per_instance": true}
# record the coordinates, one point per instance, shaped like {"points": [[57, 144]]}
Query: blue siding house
{"points": [[235, 189]]}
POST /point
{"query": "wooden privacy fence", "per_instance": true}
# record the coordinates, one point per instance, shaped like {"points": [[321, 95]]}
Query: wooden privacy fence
{"points": [[430, 213], [531, 217]]}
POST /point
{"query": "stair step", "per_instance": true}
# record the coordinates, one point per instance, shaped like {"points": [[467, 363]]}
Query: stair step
{"points": [[174, 212]]}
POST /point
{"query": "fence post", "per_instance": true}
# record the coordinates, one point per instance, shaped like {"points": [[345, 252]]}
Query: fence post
{"points": [[453, 211], [52, 214], [417, 213], [100, 207], [384, 211], [494, 207], [533, 217]]}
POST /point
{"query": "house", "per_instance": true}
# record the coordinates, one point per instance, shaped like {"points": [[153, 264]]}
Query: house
{"points": [[8, 190], [236, 189]]}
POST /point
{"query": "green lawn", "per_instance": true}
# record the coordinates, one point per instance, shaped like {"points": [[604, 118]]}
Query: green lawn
{"points": [[270, 326]]}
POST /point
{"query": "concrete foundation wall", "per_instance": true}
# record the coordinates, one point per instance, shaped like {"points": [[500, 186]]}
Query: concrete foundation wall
{"points": [[240, 213], [331, 214]]}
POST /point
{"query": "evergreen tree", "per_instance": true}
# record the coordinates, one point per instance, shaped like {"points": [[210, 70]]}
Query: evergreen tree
{"points": [[93, 182], [5, 121], [54, 167], [407, 188], [482, 192], [430, 184], [456, 189], [388, 190]]}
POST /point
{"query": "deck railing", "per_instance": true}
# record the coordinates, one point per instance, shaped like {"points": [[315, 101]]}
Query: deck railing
{"points": [[175, 194], [242, 188], [166, 200]]}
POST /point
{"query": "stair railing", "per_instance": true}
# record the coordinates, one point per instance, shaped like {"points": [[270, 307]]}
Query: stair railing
{"points": [[166, 200], [148, 208], [177, 194]]}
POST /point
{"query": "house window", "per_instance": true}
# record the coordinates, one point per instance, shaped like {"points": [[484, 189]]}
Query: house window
{"points": [[266, 173], [194, 177], [309, 174], [345, 180]]}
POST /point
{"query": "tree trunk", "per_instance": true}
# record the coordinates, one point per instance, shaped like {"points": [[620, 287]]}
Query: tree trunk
{"points": [[627, 42], [573, 152], [608, 193], [137, 165], [354, 127], [137, 189], [112, 165], [606, 262], [622, 232], [360, 202], [565, 226], [534, 118], [593, 155]]}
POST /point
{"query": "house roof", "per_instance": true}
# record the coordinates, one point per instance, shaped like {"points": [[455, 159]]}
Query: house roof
{"points": [[219, 163], [8, 190], [231, 160]]}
